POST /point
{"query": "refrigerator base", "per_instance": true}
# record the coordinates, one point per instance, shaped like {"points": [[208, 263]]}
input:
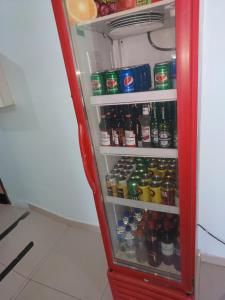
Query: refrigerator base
{"points": [[129, 288]]}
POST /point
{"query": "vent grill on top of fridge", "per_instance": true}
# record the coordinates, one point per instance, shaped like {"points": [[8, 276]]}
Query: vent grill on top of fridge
{"points": [[138, 97], [104, 24]]}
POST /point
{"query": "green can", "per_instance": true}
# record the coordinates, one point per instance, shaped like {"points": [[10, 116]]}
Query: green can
{"points": [[132, 185], [112, 83], [162, 76], [98, 85]]}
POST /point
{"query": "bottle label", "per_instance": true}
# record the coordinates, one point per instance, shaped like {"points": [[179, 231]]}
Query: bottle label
{"points": [[164, 139], [167, 249], [145, 132], [155, 135], [130, 138], [115, 138], [105, 138]]}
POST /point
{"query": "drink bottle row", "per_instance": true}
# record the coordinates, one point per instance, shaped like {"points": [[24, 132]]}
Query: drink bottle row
{"points": [[139, 125], [145, 179], [149, 237], [134, 79]]}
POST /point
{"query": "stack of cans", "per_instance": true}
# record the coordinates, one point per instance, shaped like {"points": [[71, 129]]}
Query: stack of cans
{"points": [[145, 179], [123, 80]]}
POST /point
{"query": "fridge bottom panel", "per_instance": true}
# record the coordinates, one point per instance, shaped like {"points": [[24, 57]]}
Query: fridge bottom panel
{"points": [[166, 271], [129, 288]]}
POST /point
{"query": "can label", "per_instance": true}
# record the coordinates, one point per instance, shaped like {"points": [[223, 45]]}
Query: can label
{"points": [[167, 249], [144, 193], [161, 78], [105, 138], [96, 84], [145, 132], [155, 193], [111, 83], [128, 81], [130, 138]]}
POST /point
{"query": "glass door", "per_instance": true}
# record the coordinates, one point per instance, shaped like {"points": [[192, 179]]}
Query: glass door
{"points": [[126, 67]]}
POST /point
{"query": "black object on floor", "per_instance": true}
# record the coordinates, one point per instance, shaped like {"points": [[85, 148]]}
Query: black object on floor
{"points": [[11, 227], [16, 261]]}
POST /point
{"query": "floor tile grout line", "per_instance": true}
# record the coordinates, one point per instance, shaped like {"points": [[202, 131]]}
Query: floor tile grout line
{"points": [[14, 297], [44, 258], [37, 267], [54, 289]]}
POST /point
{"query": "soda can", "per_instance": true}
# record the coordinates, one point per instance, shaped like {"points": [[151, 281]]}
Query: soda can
{"points": [[152, 168], [112, 83], [97, 82], [168, 193], [111, 185], [126, 80], [133, 188], [155, 189], [162, 78], [144, 192], [122, 189], [162, 169], [148, 83], [173, 72], [146, 177]]}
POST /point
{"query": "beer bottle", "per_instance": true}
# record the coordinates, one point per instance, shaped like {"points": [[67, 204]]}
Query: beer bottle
{"points": [[118, 134], [145, 127], [154, 127], [105, 131], [130, 130], [164, 130]]}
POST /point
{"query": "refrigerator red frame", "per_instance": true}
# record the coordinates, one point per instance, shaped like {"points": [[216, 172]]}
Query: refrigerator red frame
{"points": [[187, 19]]}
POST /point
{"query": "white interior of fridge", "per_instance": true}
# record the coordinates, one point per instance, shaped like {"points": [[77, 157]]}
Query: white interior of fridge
{"points": [[96, 51]]}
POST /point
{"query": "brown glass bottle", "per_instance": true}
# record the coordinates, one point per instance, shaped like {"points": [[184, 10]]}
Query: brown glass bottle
{"points": [[154, 256], [118, 132], [167, 243], [105, 132], [130, 130]]}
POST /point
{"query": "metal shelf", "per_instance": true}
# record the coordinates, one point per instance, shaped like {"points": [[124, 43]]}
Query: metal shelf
{"points": [[142, 152], [143, 205], [139, 97]]}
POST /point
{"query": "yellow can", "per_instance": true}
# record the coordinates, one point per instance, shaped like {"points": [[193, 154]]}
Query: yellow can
{"points": [[144, 192], [122, 189], [152, 168], [155, 189]]}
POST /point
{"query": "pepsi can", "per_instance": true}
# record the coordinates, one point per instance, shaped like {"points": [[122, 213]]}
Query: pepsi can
{"points": [[173, 71], [127, 80], [148, 81]]}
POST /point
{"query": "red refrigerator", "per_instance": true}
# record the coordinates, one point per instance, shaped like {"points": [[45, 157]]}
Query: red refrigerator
{"points": [[133, 81]]}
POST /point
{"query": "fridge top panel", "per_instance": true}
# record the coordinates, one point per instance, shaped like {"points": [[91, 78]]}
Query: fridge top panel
{"points": [[104, 24]]}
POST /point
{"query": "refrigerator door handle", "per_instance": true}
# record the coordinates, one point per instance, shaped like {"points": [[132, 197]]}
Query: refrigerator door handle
{"points": [[83, 138]]}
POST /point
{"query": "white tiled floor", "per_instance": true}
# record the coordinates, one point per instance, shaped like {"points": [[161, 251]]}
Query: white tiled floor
{"points": [[65, 263]]}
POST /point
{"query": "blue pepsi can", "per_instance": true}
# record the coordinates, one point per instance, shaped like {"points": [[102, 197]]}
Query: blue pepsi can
{"points": [[148, 81], [136, 78], [140, 78], [127, 80], [173, 72]]}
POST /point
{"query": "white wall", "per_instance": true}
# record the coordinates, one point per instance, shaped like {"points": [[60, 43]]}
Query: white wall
{"points": [[39, 153], [211, 174]]}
